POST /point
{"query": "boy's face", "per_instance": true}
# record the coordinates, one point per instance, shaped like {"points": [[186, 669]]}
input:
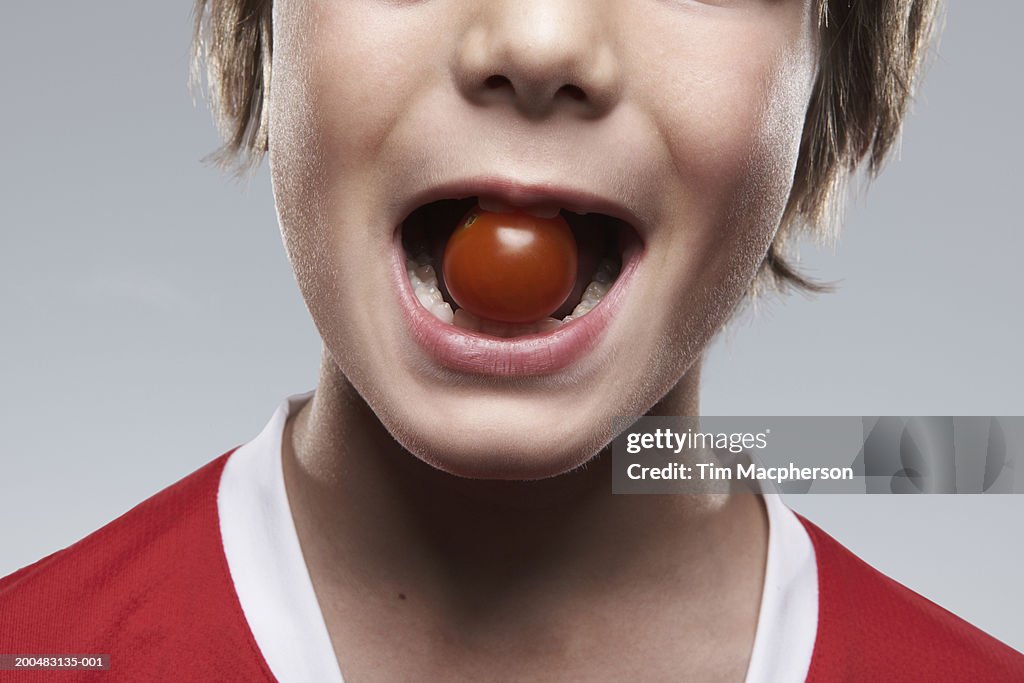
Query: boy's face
{"points": [[684, 119]]}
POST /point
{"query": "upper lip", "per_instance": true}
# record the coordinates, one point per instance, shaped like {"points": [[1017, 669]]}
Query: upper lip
{"points": [[526, 195]]}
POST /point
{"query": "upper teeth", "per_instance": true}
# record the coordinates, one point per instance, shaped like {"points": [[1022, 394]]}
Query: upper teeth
{"points": [[498, 206]]}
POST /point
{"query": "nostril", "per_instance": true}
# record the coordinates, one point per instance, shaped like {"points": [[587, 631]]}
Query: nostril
{"points": [[573, 92], [497, 82]]}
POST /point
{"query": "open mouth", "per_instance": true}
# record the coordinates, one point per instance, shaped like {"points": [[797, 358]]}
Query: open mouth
{"points": [[602, 241]]}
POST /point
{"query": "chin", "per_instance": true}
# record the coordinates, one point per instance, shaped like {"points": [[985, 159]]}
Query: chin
{"points": [[496, 445]]}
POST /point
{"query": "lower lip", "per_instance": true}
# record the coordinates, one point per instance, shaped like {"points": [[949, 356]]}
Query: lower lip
{"points": [[534, 354]]}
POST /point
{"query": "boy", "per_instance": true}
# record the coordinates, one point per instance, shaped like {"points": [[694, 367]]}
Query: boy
{"points": [[426, 514]]}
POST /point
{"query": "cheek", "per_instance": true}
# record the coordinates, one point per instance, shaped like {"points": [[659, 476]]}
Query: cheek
{"points": [[360, 65], [295, 154], [730, 107], [329, 114], [344, 76], [734, 115]]}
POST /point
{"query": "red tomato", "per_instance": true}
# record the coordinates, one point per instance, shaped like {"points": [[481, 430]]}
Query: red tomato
{"points": [[510, 267]]}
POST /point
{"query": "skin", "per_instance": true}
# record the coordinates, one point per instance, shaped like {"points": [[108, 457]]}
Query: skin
{"points": [[523, 563]]}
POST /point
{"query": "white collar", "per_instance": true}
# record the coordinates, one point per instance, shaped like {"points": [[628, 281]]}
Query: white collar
{"points": [[273, 585], [265, 559], [787, 623]]}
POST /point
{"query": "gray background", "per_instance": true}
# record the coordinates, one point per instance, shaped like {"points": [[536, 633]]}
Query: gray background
{"points": [[150, 321]]}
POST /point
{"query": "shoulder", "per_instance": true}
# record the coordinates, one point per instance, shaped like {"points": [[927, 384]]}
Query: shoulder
{"points": [[872, 626], [151, 589]]}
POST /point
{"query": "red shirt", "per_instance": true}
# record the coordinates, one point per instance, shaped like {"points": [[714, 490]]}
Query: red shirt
{"points": [[152, 589]]}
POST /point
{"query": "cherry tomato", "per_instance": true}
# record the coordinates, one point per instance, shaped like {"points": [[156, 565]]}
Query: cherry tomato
{"points": [[511, 267]]}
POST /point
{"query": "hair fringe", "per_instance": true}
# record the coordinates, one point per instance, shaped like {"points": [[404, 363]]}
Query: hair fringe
{"points": [[872, 56], [233, 38]]}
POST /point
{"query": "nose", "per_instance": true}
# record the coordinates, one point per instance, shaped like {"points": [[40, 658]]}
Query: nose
{"points": [[540, 57]]}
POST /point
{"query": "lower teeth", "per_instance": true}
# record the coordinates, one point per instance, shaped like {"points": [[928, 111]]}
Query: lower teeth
{"points": [[423, 278], [424, 286]]}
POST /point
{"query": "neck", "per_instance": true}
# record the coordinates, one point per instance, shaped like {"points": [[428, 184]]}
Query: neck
{"points": [[369, 512]]}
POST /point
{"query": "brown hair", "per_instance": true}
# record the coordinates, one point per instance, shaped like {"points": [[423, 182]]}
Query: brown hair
{"points": [[871, 54]]}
